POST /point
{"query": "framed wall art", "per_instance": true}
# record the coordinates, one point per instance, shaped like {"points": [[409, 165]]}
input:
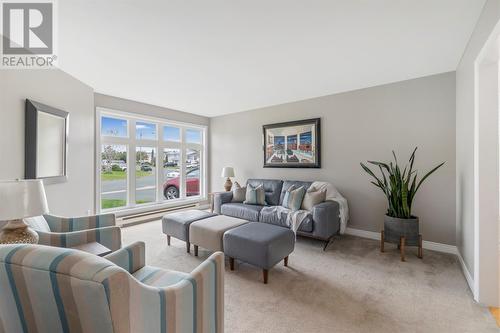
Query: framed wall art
{"points": [[294, 144]]}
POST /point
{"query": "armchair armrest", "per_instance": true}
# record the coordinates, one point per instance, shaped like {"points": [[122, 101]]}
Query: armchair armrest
{"points": [[131, 257], [194, 304], [66, 224], [221, 198], [204, 278], [108, 236], [326, 219]]}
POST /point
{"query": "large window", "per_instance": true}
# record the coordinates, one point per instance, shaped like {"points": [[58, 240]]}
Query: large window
{"points": [[148, 161]]}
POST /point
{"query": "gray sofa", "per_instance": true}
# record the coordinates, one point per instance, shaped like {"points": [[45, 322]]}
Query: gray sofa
{"points": [[322, 223]]}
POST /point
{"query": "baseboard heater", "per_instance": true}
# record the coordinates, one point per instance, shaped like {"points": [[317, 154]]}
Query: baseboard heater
{"points": [[152, 215]]}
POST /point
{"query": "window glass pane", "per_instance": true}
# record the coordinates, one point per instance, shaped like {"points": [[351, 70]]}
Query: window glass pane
{"points": [[113, 176], [114, 127], [171, 134], [171, 173], [145, 131], [193, 136], [192, 172], [145, 175]]}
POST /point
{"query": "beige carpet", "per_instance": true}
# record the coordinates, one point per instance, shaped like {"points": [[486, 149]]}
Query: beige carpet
{"points": [[351, 287]]}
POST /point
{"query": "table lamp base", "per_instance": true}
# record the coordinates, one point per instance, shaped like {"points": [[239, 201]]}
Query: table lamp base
{"points": [[18, 232]]}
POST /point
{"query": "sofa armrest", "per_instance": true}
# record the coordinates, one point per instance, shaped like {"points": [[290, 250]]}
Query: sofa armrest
{"points": [[67, 224], [326, 219], [131, 258], [108, 236], [221, 198]]}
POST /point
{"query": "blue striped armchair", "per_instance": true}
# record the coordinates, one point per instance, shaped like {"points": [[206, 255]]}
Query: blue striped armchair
{"points": [[73, 231], [51, 290]]}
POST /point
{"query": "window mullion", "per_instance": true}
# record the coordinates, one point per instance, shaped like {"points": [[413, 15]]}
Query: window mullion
{"points": [[182, 179], [159, 165], [131, 164]]}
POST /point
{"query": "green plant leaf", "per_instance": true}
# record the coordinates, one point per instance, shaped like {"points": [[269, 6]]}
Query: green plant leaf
{"points": [[427, 175], [399, 187]]}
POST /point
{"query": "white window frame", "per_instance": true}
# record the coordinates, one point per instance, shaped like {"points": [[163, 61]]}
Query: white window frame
{"points": [[132, 143]]}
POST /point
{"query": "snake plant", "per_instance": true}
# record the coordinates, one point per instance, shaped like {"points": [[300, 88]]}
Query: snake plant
{"points": [[399, 187]]}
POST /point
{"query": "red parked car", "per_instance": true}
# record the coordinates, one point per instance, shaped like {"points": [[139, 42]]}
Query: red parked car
{"points": [[171, 188]]}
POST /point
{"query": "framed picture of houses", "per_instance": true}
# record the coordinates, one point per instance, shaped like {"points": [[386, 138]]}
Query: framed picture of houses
{"points": [[294, 144]]}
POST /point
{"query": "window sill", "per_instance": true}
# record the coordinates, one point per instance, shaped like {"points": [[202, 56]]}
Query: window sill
{"points": [[146, 208]]}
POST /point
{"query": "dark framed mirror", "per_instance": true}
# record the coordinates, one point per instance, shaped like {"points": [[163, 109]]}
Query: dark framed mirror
{"points": [[46, 143]]}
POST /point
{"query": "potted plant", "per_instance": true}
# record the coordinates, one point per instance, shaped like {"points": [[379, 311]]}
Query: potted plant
{"points": [[400, 187]]}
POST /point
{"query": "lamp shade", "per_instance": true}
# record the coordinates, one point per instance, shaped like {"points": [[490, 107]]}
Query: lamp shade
{"points": [[227, 172], [22, 198]]}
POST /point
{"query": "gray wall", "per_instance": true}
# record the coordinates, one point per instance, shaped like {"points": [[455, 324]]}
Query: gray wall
{"points": [[358, 126], [60, 90], [465, 132]]}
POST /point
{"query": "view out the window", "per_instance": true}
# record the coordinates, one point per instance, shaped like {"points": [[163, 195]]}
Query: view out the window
{"points": [[145, 171], [113, 176], [160, 163]]}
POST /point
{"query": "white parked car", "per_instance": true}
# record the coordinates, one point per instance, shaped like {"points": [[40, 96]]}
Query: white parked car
{"points": [[173, 174], [121, 164]]}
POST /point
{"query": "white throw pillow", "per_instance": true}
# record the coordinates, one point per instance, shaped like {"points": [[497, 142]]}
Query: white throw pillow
{"points": [[239, 193], [312, 198]]}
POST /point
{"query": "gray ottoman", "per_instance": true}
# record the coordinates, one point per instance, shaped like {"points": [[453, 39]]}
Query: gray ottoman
{"points": [[260, 244], [208, 232], [177, 224]]}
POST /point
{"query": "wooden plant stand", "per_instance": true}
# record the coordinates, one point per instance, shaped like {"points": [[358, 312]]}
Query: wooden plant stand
{"points": [[402, 246]]}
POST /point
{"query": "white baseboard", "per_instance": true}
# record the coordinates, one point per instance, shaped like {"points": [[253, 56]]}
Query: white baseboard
{"points": [[445, 248], [467, 274]]}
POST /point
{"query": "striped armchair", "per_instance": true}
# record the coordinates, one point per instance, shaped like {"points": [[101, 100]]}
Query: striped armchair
{"points": [[51, 290], [73, 231]]}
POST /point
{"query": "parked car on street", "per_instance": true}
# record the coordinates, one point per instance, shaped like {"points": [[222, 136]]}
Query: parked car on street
{"points": [[146, 167], [119, 164], [173, 174], [171, 188], [170, 164]]}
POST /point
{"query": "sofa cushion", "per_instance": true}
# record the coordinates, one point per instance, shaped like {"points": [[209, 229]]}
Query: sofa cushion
{"points": [[272, 187], [268, 215], [287, 184], [239, 193], [255, 195], [312, 198], [242, 211], [293, 198]]}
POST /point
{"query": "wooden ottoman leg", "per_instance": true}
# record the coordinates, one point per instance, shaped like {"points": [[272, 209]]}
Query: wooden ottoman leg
{"points": [[196, 250], [382, 241], [402, 244], [265, 274], [168, 240], [286, 261], [231, 263], [188, 247], [420, 250]]}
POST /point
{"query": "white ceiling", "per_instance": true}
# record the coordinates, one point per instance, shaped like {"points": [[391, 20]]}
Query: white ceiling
{"points": [[217, 57]]}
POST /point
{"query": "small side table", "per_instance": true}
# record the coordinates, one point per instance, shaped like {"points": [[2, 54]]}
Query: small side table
{"points": [[402, 245], [93, 248]]}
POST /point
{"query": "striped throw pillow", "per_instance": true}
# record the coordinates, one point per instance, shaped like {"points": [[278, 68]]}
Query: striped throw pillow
{"points": [[287, 195], [293, 198], [255, 195]]}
